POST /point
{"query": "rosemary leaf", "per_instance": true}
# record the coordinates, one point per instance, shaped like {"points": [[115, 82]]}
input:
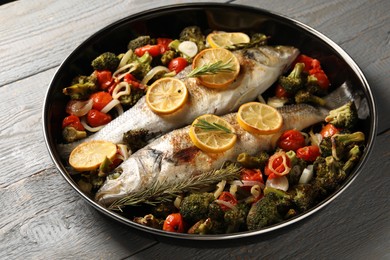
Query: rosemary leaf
{"points": [[205, 125], [212, 68], [164, 191]]}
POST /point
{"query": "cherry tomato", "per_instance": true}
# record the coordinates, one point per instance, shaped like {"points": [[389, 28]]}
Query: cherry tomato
{"points": [[252, 175], [73, 121], [154, 50], [308, 153], [291, 140], [177, 64], [278, 164], [96, 118], [129, 78], [280, 92], [329, 130], [305, 60], [100, 100], [104, 78], [174, 223], [322, 79], [164, 44], [228, 197]]}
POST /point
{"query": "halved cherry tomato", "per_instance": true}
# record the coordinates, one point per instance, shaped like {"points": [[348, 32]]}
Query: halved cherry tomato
{"points": [[329, 130], [96, 118], [278, 164], [129, 78], [164, 44], [308, 153], [291, 140], [305, 60], [154, 50], [313, 67], [104, 78], [252, 175], [174, 223], [280, 92], [177, 64], [228, 197], [322, 79], [73, 121], [100, 100]]}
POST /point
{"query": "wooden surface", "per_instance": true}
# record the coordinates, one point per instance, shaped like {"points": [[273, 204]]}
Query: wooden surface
{"points": [[42, 217]]}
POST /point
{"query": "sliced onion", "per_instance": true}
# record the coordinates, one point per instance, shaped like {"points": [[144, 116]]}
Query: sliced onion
{"points": [[125, 58], [276, 102], [245, 183], [220, 187], [225, 203], [121, 72], [152, 73], [89, 128], [280, 183], [123, 151], [79, 108], [188, 48], [233, 189], [121, 89], [256, 191], [306, 175], [110, 105]]}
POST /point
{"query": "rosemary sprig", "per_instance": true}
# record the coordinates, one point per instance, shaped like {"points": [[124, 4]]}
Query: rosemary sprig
{"points": [[205, 125], [164, 191], [211, 68]]}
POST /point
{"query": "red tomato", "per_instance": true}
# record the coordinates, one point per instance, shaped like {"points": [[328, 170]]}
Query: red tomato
{"points": [[308, 153], [280, 92], [291, 140], [252, 175], [174, 223], [73, 121], [100, 100], [322, 79], [228, 197], [104, 78], [133, 81], [154, 50], [305, 60], [177, 64], [96, 118], [329, 130], [278, 164], [164, 44]]}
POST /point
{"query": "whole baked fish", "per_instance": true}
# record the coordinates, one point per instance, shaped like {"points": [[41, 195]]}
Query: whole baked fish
{"points": [[259, 68], [173, 157]]}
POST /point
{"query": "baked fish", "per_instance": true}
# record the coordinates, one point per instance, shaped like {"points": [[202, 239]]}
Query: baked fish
{"points": [[259, 68], [173, 157]]}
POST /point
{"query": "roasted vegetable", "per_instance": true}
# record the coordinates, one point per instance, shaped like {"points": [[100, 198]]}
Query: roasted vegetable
{"points": [[304, 96], [295, 80], [343, 117], [194, 34], [249, 161], [342, 143], [106, 61], [303, 196], [82, 87], [70, 134], [139, 42], [196, 206]]}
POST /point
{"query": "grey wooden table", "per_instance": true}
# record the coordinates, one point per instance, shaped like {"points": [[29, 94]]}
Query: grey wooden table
{"points": [[42, 217]]}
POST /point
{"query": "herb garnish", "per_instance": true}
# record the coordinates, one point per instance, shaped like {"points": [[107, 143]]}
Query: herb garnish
{"points": [[205, 125], [212, 68]]}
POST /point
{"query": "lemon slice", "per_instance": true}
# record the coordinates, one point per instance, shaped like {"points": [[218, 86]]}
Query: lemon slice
{"points": [[225, 39], [89, 155], [166, 95], [212, 140], [212, 56], [259, 118]]}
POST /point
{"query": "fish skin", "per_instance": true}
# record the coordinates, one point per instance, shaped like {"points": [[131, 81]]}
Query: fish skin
{"points": [[259, 68], [173, 157]]}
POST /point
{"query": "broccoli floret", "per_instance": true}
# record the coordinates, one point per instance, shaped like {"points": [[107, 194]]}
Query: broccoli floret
{"points": [[215, 212], [143, 65], [235, 218], [271, 209], [343, 117], [353, 158], [249, 161], [304, 196], [82, 87], [194, 34], [342, 143], [304, 96], [326, 146], [167, 57], [313, 87], [139, 42], [295, 80], [195, 206], [106, 61], [136, 139], [131, 99], [70, 134]]}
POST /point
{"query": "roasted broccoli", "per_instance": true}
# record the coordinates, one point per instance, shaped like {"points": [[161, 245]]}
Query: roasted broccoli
{"points": [[304, 196], [194, 34], [235, 218], [326, 146], [295, 80], [271, 209], [138, 42], [353, 158], [196, 206], [131, 99], [106, 61], [343, 117], [304, 96], [167, 57], [136, 139], [143, 65], [342, 143], [82, 87], [71, 134], [249, 161]]}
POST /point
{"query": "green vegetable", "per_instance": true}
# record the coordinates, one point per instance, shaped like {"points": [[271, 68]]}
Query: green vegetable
{"points": [[196, 206], [82, 87], [235, 219], [304, 96], [167, 57], [139, 42], [303, 196], [342, 143], [297, 165], [131, 99], [106, 61], [295, 80], [343, 117], [249, 161], [136, 139], [70, 134], [353, 157], [194, 34]]}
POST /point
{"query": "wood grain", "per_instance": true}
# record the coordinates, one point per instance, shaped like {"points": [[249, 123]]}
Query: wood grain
{"points": [[42, 217]]}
